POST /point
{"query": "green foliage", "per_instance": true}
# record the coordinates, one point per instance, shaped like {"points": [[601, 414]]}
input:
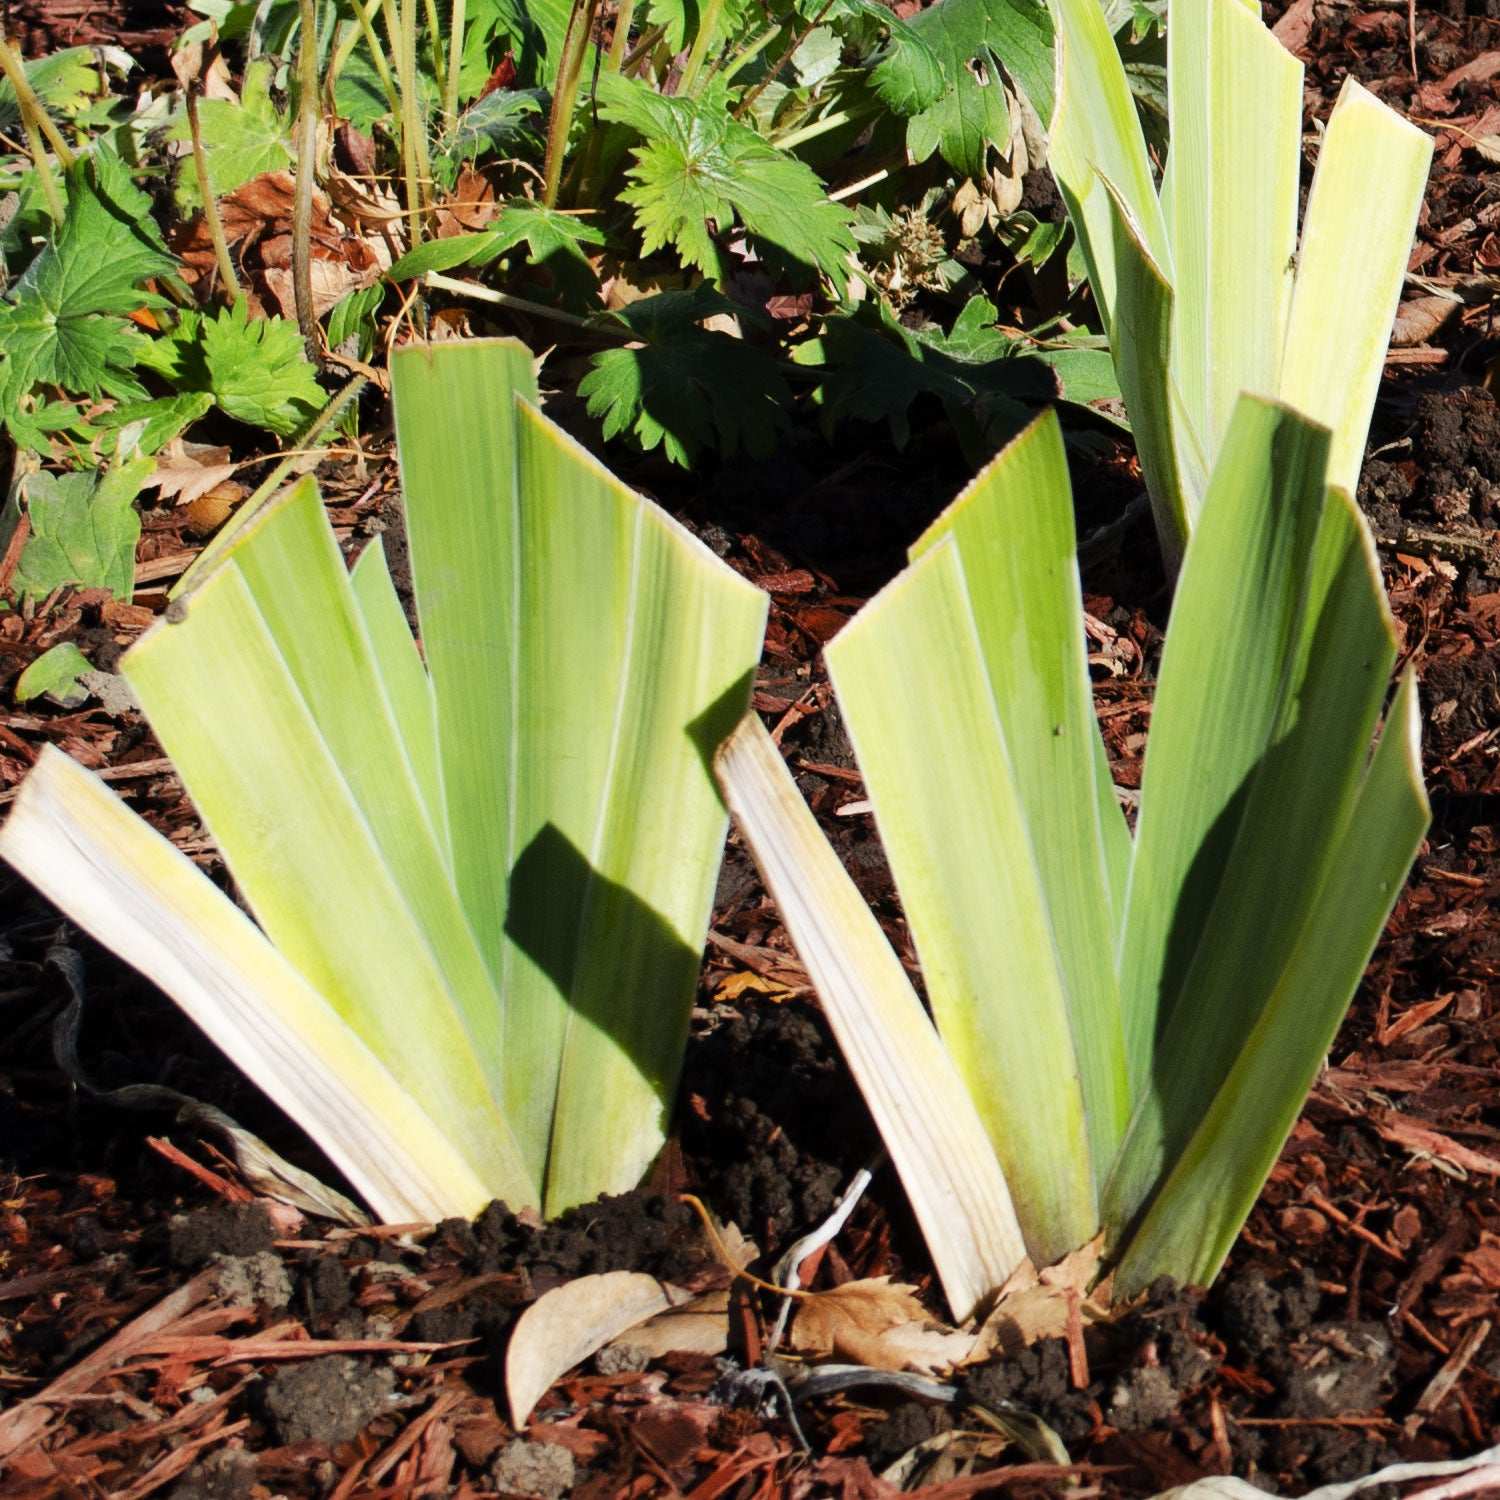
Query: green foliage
{"points": [[500, 124], [84, 528], [697, 171], [256, 371], [554, 241], [55, 673], [63, 323], [971, 40], [242, 140], [686, 387], [67, 82], [873, 368], [531, 29], [683, 17]]}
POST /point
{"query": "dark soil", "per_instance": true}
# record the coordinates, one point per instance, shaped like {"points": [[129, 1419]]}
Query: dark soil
{"points": [[1370, 1265]]}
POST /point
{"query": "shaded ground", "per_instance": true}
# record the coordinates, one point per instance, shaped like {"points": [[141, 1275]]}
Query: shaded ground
{"points": [[1356, 1319]]}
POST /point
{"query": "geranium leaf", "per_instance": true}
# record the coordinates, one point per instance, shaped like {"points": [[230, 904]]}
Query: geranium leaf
{"points": [[697, 172]]}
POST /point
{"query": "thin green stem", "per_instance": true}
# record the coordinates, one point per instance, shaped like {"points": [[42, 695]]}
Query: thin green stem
{"points": [[708, 23], [771, 73], [478, 293], [401, 28], [834, 121], [565, 95], [32, 109], [457, 16], [435, 41], [743, 56], [307, 154], [624, 15], [652, 36], [227, 278], [38, 148], [363, 15]]}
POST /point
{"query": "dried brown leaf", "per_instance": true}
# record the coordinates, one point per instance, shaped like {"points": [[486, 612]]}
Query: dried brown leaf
{"points": [[566, 1325], [1418, 318], [878, 1323]]}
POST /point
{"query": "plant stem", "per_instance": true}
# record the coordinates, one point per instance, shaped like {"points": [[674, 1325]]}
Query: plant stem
{"points": [[708, 23], [456, 19], [753, 94], [565, 94], [38, 149], [747, 54], [403, 34], [307, 154], [32, 108], [435, 40], [624, 15], [839, 117], [378, 59], [479, 293], [652, 36], [227, 278]]}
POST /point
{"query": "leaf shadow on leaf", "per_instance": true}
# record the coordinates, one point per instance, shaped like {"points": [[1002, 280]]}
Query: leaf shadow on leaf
{"points": [[717, 722], [560, 907]]}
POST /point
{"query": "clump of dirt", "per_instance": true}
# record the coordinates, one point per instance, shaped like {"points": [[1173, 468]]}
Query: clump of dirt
{"points": [[1037, 1380], [542, 1471], [1460, 444], [226, 1474], [327, 1400], [910, 1423], [235, 1229], [1462, 692], [759, 1083], [259, 1280]]}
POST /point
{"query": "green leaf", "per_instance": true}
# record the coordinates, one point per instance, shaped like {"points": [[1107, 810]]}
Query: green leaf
{"points": [[67, 82], [873, 368], [63, 322], [686, 388], [532, 29], [84, 528], [442, 255], [970, 41], [1198, 1211], [554, 242], [909, 77], [242, 140], [499, 122], [915, 1093], [585, 828], [155, 423], [697, 171], [55, 673], [256, 370], [1003, 853], [353, 319], [359, 94]]}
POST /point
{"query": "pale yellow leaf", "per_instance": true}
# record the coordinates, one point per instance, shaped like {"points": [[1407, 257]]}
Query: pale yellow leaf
{"points": [[569, 1323]]}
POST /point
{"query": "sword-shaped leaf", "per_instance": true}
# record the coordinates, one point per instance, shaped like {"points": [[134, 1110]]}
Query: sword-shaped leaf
{"points": [[490, 886], [983, 771], [922, 1109], [1209, 1193], [1361, 216]]}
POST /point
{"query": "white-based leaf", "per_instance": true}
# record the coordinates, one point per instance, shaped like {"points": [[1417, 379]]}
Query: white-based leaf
{"points": [[86, 851], [919, 1101]]}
